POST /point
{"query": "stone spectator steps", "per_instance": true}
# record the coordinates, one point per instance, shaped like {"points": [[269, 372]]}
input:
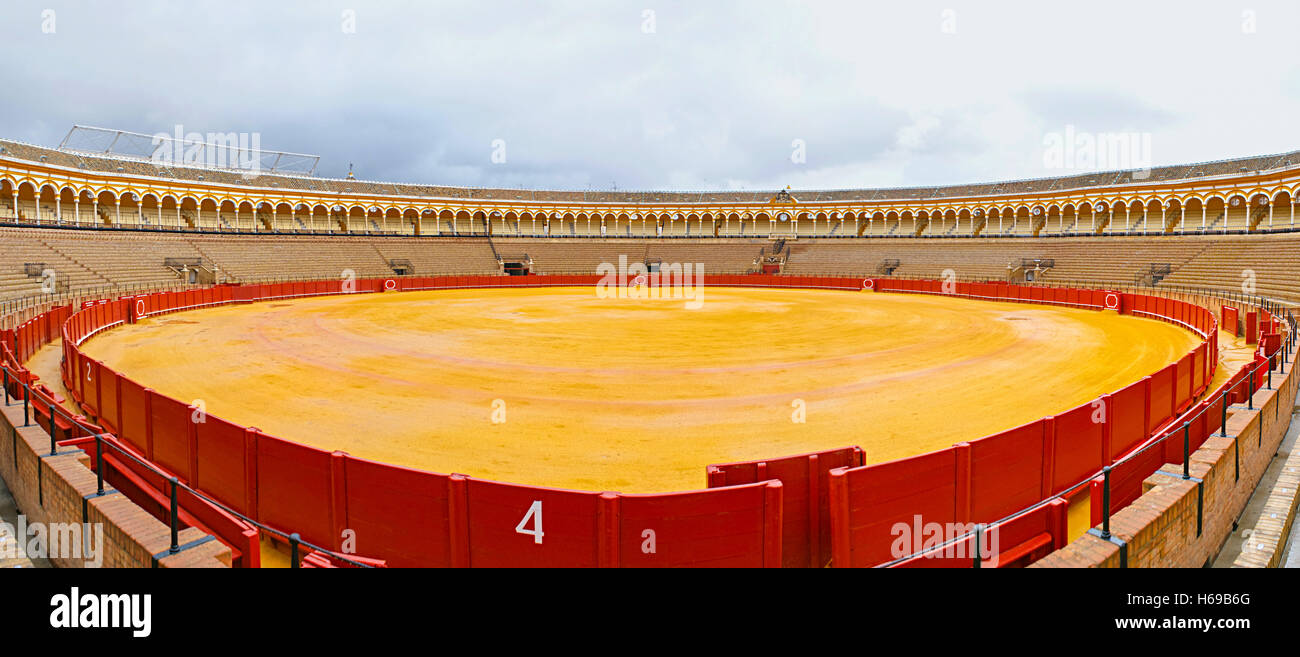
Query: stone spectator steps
{"points": [[22, 246], [134, 259], [442, 256], [87, 259]]}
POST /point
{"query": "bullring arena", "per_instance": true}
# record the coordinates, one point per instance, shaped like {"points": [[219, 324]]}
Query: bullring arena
{"points": [[278, 370]]}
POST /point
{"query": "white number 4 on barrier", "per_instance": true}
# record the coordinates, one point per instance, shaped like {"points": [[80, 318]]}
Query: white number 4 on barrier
{"points": [[535, 513]]}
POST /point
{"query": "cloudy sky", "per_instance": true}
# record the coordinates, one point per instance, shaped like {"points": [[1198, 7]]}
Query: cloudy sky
{"points": [[710, 94]]}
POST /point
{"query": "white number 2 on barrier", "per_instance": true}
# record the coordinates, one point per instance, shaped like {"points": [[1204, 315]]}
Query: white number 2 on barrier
{"points": [[535, 513]]}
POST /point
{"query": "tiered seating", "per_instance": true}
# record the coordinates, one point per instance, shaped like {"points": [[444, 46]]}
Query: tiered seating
{"points": [[260, 257], [86, 258], [551, 256], [731, 257], [1229, 261], [434, 257], [1116, 262], [21, 246], [133, 259]]}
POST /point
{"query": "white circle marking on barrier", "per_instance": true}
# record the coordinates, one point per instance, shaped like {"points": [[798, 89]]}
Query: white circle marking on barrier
{"points": [[390, 284], [868, 284], [1112, 301]]}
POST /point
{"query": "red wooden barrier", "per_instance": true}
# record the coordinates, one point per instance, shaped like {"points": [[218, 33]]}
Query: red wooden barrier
{"points": [[1005, 473], [293, 488], [1127, 416], [734, 527], [400, 513], [223, 462], [524, 527], [1078, 445], [1161, 399], [806, 535], [136, 420], [170, 437], [1183, 384], [867, 502], [1231, 321]]}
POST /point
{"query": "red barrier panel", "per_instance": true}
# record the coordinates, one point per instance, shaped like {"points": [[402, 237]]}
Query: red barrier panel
{"points": [[1006, 473], [1252, 328], [1214, 410], [171, 435], [1199, 427], [1161, 399], [1127, 416], [1078, 445], [84, 391], [399, 514], [867, 502], [134, 425], [1183, 382], [107, 387], [223, 462], [1198, 369], [806, 535], [526, 527], [1230, 322], [1261, 371], [294, 488], [734, 527], [98, 316], [1136, 303]]}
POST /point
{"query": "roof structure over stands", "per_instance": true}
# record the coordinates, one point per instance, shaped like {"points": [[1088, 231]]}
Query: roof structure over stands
{"points": [[110, 161], [238, 151]]}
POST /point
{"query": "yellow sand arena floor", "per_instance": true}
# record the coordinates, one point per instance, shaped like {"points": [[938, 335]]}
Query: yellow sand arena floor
{"points": [[558, 387]]}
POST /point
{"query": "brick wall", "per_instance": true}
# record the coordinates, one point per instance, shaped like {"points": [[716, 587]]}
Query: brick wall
{"points": [[61, 489]]}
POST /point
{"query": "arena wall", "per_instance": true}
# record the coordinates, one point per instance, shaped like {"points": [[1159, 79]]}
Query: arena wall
{"points": [[763, 514]]}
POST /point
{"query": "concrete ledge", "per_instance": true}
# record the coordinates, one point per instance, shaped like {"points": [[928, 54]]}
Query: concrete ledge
{"points": [[1267, 543]]}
